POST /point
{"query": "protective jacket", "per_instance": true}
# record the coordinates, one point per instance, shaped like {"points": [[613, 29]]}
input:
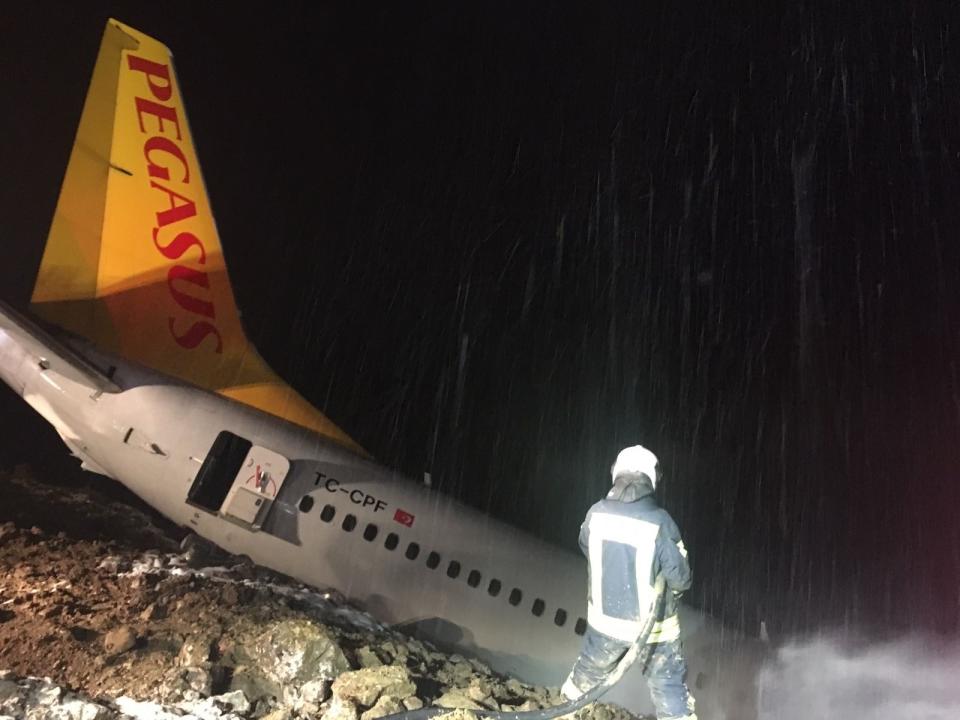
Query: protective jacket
{"points": [[632, 547]]}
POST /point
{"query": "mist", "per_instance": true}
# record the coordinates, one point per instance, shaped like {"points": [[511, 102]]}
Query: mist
{"points": [[822, 678]]}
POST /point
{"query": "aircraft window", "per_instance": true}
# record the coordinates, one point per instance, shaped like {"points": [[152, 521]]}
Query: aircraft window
{"points": [[516, 595], [412, 551], [494, 587], [391, 542], [349, 522], [306, 504], [473, 579], [370, 533], [453, 569], [433, 560], [328, 512], [538, 607], [581, 627], [560, 618]]}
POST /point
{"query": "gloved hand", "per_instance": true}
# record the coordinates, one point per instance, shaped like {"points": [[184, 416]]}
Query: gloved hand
{"points": [[671, 603], [569, 690]]}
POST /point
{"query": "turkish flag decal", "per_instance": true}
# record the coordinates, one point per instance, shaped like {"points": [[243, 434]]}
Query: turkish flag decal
{"points": [[403, 517]]}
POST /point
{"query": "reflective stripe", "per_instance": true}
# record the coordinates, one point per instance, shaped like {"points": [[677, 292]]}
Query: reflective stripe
{"points": [[681, 548], [667, 630], [616, 628], [640, 535]]}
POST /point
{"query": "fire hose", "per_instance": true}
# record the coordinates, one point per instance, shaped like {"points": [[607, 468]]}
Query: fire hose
{"points": [[639, 649]]}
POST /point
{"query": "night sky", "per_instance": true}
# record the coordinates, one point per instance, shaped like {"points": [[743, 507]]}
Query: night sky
{"points": [[501, 241]]}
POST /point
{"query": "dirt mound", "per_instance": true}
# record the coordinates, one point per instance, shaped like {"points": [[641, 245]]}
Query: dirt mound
{"points": [[97, 596]]}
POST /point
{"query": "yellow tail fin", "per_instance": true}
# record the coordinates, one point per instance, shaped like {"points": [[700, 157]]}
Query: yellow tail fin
{"points": [[133, 261]]}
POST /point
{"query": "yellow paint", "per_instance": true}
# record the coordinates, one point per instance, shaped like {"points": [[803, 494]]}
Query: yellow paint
{"points": [[103, 274]]}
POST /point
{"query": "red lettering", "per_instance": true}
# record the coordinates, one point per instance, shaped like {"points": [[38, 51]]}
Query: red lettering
{"points": [[153, 71], [198, 332], [163, 156], [176, 213], [179, 245], [160, 112], [188, 302], [166, 145]]}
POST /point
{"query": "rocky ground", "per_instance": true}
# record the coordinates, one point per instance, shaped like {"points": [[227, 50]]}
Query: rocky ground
{"points": [[104, 614]]}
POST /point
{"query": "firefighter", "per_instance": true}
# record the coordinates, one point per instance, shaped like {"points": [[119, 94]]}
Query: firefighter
{"points": [[637, 565]]}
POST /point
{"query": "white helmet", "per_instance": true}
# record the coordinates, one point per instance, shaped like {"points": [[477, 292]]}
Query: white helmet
{"points": [[635, 460]]}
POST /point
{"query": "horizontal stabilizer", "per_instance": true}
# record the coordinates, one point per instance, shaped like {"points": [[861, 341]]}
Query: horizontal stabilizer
{"points": [[51, 354]]}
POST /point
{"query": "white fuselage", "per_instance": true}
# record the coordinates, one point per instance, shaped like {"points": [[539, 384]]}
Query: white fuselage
{"points": [[410, 556]]}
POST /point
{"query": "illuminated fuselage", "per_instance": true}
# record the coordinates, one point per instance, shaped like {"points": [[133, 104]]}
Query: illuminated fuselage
{"points": [[410, 556]]}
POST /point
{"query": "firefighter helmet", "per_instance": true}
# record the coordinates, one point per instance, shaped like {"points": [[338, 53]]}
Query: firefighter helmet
{"points": [[635, 460]]}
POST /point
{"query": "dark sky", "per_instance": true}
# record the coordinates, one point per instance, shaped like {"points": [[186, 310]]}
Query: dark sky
{"points": [[500, 242]]}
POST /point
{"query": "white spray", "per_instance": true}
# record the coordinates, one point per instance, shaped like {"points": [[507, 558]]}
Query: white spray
{"points": [[824, 678]]}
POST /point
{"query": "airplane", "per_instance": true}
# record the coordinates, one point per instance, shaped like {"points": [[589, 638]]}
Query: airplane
{"points": [[136, 355]]}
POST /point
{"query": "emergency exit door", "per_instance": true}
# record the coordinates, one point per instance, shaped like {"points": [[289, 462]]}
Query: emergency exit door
{"points": [[239, 480]]}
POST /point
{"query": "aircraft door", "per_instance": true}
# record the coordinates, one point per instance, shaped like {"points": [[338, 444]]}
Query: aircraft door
{"points": [[239, 480]]}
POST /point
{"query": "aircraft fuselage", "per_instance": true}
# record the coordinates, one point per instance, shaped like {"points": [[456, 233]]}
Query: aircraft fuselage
{"points": [[409, 555]]}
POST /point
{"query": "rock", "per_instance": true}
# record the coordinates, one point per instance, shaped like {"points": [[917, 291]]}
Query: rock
{"points": [[172, 686], [479, 667], [153, 611], [526, 706], [236, 701], [199, 680], [119, 640], [47, 694], [393, 652], [460, 672], [77, 709], [281, 713], [8, 689], [305, 709], [290, 696], [211, 708], [515, 687], [457, 699], [315, 691], [265, 705], [229, 595], [364, 686], [413, 703], [480, 689], [341, 709], [244, 568], [253, 685], [298, 650], [113, 564], [368, 658], [139, 709], [195, 651], [10, 698], [601, 712], [386, 705]]}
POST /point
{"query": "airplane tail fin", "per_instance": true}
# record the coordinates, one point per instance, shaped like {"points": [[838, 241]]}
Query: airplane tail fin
{"points": [[133, 261]]}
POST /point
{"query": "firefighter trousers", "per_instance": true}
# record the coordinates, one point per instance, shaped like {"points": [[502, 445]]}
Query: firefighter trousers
{"points": [[665, 670]]}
